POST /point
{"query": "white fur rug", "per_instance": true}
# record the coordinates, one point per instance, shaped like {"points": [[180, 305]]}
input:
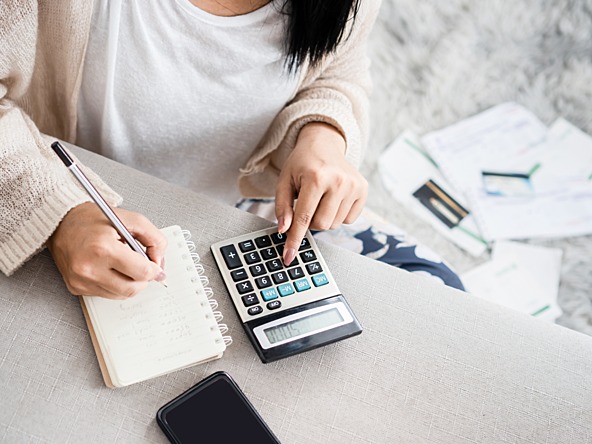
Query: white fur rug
{"points": [[435, 62]]}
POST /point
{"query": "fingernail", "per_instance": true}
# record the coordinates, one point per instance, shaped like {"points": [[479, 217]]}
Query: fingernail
{"points": [[161, 277], [162, 263], [289, 256], [281, 228]]}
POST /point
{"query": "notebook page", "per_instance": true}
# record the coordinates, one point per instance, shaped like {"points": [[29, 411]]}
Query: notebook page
{"points": [[161, 329]]}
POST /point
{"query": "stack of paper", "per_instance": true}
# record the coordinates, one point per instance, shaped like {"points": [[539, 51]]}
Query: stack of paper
{"points": [[413, 179], [520, 179], [519, 276], [499, 175]]}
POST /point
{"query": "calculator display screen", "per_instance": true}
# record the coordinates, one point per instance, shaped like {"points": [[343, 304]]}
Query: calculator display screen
{"points": [[303, 325]]}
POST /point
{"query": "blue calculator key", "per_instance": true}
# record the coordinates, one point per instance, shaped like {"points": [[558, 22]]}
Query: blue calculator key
{"points": [[302, 285], [286, 290], [320, 279], [269, 294]]}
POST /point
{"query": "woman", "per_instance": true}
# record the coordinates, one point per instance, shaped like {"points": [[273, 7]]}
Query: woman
{"points": [[188, 91]]}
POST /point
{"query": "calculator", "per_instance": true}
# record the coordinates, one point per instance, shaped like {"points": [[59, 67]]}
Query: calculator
{"points": [[284, 309]]}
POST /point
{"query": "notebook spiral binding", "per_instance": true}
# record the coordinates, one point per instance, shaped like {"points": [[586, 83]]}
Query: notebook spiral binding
{"points": [[217, 315]]}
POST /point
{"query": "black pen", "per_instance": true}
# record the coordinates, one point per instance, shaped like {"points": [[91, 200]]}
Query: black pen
{"points": [[102, 204]]}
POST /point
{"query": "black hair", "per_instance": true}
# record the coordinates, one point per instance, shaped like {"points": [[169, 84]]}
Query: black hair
{"points": [[315, 28]]}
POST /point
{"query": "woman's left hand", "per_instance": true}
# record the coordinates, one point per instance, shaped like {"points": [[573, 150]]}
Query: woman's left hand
{"points": [[330, 191]]}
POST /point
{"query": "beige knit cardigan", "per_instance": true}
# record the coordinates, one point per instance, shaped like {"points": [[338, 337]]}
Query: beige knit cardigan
{"points": [[42, 49]]}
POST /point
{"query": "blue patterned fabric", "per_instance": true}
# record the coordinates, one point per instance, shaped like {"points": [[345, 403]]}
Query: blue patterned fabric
{"points": [[375, 238]]}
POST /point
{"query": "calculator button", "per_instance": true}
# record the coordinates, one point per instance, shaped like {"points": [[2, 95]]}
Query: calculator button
{"points": [[314, 268], [250, 299], [296, 273], [263, 282], [293, 263], [269, 294], [302, 285], [274, 265], [280, 277], [263, 241], [246, 246], [239, 275], [273, 305], [319, 280], [278, 238], [304, 244], [268, 253], [230, 256], [255, 310], [308, 256], [257, 270], [244, 287], [252, 257], [280, 250], [286, 290]]}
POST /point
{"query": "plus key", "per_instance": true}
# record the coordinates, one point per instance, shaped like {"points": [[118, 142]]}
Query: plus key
{"points": [[231, 257]]}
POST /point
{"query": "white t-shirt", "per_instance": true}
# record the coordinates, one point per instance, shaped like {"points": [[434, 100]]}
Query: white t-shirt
{"points": [[179, 93]]}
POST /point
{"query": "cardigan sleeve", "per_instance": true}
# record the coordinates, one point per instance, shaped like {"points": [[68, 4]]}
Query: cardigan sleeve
{"points": [[36, 190], [336, 93]]}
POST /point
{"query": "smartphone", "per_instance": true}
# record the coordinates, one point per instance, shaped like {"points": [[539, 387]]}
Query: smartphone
{"points": [[214, 410]]}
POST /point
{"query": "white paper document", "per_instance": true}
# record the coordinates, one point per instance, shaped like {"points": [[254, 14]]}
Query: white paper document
{"points": [[406, 168], [521, 277], [510, 141]]}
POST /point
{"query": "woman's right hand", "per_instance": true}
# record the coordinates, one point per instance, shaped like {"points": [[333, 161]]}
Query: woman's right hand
{"points": [[94, 260]]}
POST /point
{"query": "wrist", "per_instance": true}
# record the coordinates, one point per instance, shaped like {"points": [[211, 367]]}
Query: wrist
{"points": [[323, 134]]}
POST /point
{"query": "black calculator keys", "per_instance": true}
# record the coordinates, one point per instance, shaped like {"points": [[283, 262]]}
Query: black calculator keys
{"points": [[278, 238], [244, 287], [296, 273], [268, 253], [250, 299], [280, 277], [246, 246], [257, 270], [230, 256], [252, 257], [263, 282], [314, 268], [273, 305], [255, 310], [239, 275], [304, 244], [263, 241], [308, 256], [255, 266], [274, 265]]}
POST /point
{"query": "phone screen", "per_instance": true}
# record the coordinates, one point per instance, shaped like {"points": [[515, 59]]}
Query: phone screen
{"points": [[214, 410]]}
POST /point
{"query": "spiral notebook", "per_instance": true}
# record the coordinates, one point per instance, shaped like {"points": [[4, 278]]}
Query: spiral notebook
{"points": [[162, 329]]}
